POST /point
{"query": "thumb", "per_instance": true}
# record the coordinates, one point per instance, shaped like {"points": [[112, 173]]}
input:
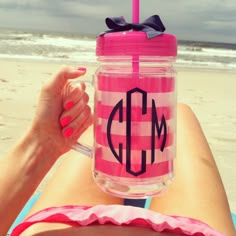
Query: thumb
{"points": [[61, 78]]}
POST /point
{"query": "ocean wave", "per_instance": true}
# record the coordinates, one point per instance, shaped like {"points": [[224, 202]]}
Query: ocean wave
{"points": [[73, 48], [205, 64], [209, 52]]}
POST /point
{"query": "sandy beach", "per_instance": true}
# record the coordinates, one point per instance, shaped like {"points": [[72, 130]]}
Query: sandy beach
{"points": [[211, 94]]}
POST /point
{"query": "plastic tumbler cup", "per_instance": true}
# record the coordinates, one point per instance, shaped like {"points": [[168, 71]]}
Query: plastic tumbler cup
{"points": [[135, 113]]}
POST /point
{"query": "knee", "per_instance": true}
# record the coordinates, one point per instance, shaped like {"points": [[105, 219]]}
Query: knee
{"points": [[185, 115], [182, 107]]}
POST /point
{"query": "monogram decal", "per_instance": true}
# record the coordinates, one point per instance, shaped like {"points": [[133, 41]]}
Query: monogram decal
{"points": [[158, 128]]}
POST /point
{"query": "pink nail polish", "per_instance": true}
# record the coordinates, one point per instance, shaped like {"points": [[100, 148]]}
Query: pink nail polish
{"points": [[69, 105], [82, 68], [68, 132], [65, 121]]}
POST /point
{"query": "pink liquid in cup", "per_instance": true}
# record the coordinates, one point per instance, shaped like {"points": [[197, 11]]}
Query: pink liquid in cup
{"points": [[135, 107]]}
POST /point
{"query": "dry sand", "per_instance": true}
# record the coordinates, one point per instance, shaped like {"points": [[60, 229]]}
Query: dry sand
{"points": [[211, 94]]}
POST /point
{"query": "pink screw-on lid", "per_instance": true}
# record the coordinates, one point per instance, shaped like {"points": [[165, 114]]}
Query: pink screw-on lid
{"points": [[136, 43]]}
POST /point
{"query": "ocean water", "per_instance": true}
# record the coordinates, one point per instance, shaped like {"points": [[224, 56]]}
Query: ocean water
{"points": [[72, 48]]}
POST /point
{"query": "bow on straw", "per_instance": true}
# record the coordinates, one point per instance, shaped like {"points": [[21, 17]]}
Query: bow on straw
{"points": [[152, 26]]}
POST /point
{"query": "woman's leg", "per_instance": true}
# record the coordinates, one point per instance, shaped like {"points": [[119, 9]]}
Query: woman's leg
{"points": [[197, 190], [73, 183]]}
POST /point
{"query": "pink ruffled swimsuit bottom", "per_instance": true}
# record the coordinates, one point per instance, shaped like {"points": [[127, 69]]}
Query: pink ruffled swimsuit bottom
{"points": [[118, 215]]}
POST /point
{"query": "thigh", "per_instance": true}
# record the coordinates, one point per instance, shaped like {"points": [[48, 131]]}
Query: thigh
{"points": [[73, 183], [197, 190]]}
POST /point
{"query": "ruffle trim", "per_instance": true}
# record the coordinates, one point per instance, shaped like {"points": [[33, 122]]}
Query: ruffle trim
{"points": [[117, 215]]}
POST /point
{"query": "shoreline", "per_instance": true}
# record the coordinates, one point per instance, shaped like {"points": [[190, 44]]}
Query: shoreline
{"points": [[178, 67], [210, 93]]}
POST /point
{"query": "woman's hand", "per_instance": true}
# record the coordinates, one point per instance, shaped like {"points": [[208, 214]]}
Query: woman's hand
{"points": [[62, 113]]}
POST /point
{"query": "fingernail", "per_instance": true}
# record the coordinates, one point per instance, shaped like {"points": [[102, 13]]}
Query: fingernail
{"points": [[68, 132], [69, 105], [82, 69], [65, 121]]}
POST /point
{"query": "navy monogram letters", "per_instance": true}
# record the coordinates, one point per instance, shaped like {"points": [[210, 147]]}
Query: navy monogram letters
{"points": [[158, 131]]}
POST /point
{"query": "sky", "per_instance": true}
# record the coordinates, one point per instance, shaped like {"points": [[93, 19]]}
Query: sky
{"points": [[201, 20]]}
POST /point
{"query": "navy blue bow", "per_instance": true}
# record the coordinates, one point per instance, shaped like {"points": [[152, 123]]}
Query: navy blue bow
{"points": [[152, 26]]}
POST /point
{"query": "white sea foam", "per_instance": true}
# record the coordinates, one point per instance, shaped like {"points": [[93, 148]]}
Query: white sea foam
{"points": [[207, 52], [74, 49]]}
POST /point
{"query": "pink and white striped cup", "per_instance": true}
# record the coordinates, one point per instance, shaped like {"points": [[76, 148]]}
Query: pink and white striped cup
{"points": [[135, 113]]}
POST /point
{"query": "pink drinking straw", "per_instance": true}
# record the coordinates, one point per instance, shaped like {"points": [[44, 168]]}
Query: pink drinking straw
{"points": [[135, 19], [135, 16]]}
